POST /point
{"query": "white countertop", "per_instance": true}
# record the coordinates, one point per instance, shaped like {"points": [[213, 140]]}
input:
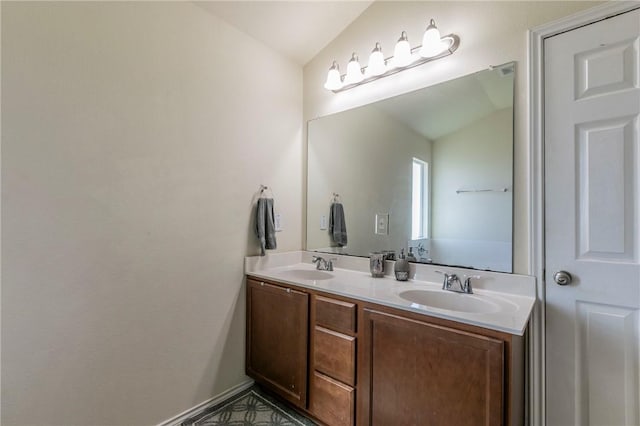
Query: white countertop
{"points": [[511, 297]]}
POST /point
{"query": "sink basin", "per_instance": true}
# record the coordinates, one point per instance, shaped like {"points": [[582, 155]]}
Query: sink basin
{"points": [[441, 299], [306, 274]]}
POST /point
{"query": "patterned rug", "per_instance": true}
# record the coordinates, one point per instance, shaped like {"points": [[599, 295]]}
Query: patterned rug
{"points": [[248, 408]]}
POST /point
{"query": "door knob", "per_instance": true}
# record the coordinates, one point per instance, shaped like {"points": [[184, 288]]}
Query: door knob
{"points": [[562, 278]]}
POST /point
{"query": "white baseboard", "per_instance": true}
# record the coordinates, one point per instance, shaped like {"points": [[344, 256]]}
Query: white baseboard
{"points": [[176, 420]]}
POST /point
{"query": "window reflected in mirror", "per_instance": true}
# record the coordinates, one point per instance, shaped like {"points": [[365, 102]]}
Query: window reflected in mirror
{"points": [[419, 199]]}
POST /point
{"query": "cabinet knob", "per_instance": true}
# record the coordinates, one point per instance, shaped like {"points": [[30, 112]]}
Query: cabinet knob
{"points": [[288, 290], [261, 283]]}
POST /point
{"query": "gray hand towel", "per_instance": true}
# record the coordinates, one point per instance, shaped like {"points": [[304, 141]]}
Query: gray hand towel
{"points": [[337, 225], [265, 225]]}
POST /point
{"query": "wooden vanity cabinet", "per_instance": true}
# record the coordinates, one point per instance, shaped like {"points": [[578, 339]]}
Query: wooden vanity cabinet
{"points": [[415, 372], [277, 339], [367, 364]]}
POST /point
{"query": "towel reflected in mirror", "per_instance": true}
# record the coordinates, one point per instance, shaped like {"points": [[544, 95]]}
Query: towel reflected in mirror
{"points": [[337, 225]]}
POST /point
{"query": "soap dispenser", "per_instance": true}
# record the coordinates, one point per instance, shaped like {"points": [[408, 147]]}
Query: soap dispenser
{"points": [[410, 255], [401, 267]]}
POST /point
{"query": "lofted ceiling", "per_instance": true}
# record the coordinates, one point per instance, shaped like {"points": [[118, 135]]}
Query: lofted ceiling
{"points": [[445, 108], [296, 29], [300, 29]]}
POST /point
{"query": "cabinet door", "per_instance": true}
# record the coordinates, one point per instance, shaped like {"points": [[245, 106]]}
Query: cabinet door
{"points": [[416, 373], [277, 324]]}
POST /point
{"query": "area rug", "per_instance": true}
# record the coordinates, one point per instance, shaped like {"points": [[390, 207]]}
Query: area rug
{"points": [[250, 407]]}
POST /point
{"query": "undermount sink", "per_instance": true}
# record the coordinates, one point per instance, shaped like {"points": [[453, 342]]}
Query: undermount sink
{"points": [[306, 274], [451, 301]]}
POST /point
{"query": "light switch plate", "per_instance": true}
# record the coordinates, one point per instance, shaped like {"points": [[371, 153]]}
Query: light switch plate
{"points": [[278, 222], [382, 224], [323, 222]]}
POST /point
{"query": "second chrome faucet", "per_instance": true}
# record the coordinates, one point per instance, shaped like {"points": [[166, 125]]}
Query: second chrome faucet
{"points": [[452, 282], [322, 264]]}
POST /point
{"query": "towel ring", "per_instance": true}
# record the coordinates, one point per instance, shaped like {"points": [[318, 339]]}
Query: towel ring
{"points": [[264, 188]]}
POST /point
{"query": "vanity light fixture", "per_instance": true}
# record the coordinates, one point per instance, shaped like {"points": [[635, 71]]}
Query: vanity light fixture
{"points": [[402, 53], [404, 57], [377, 65], [432, 45], [354, 71], [334, 82]]}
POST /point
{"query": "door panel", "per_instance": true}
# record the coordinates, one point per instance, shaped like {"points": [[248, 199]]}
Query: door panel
{"points": [[592, 184], [606, 167], [606, 69], [601, 369]]}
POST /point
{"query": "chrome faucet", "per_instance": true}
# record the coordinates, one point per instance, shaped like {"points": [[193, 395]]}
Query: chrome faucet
{"points": [[450, 282], [322, 264]]}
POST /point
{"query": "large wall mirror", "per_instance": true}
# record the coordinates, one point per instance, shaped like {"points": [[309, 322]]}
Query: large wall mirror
{"points": [[429, 171]]}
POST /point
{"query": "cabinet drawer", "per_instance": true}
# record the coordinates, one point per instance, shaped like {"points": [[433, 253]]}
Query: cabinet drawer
{"points": [[335, 354], [331, 401], [335, 314]]}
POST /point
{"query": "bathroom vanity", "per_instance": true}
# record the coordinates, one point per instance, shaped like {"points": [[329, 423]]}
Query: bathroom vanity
{"points": [[432, 170], [349, 349]]}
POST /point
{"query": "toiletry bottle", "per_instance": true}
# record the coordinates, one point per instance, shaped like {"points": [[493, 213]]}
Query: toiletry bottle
{"points": [[401, 267], [410, 255]]}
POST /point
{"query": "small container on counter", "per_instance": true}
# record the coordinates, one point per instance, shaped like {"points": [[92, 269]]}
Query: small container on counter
{"points": [[376, 264], [401, 267]]}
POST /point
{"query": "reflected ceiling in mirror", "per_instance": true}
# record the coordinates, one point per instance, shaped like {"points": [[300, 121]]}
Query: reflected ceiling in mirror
{"points": [[429, 172]]}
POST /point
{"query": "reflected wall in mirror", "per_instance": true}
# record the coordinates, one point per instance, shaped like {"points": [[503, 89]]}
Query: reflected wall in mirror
{"points": [[429, 171]]}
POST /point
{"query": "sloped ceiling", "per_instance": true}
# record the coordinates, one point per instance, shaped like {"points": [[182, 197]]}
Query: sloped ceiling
{"points": [[296, 29], [445, 108]]}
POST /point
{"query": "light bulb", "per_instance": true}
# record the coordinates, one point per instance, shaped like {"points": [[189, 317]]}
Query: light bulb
{"points": [[376, 62], [354, 72], [402, 52], [333, 78], [432, 45]]}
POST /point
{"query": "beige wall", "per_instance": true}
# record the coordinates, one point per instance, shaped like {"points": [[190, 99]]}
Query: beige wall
{"points": [[478, 156], [474, 229], [134, 138], [491, 33]]}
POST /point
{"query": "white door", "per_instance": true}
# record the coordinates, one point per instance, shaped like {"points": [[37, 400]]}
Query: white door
{"points": [[592, 223]]}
